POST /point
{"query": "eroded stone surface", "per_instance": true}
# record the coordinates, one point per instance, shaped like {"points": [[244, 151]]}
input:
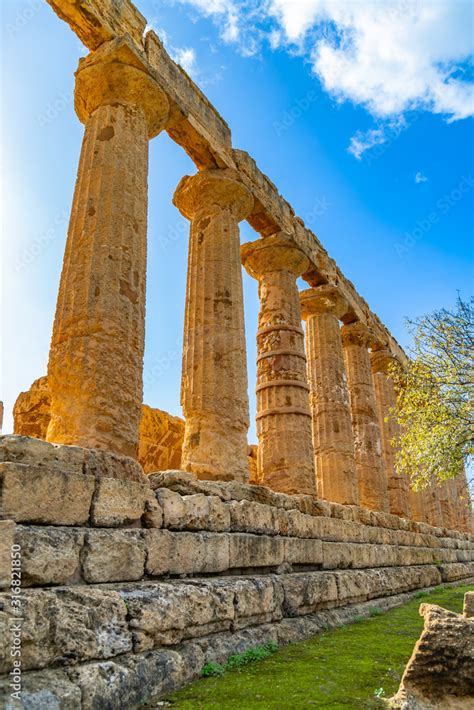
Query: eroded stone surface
{"points": [[110, 558], [322, 307], [439, 672], [373, 488], [214, 381], [38, 495], [285, 459]]}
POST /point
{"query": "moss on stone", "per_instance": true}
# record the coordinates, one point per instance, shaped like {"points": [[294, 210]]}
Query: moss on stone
{"points": [[354, 666]]}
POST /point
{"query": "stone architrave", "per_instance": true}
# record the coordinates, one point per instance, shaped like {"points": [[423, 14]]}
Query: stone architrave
{"points": [[285, 453], [385, 399], [373, 488], [322, 308], [214, 376], [96, 356]]}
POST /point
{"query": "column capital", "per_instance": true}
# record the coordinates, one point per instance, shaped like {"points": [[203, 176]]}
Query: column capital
{"points": [[274, 253], [322, 299], [116, 73], [381, 359], [357, 333], [208, 189]]}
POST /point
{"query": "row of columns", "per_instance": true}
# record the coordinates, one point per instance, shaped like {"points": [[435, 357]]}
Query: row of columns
{"points": [[323, 411]]}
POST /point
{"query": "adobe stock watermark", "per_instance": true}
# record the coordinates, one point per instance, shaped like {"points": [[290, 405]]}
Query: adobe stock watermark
{"points": [[174, 234], [24, 17], [298, 108], [320, 207], [38, 245], [163, 363], [442, 206], [55, 107], [15, 622]]}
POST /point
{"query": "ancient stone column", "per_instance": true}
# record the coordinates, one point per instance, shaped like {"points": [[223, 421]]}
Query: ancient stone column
{"points": [[336, 474], [373, 489], [463, 501], [434, 515], [96, 356], [214, 378], [285, 458], [418, 505], [446, 500], [385, 400]]}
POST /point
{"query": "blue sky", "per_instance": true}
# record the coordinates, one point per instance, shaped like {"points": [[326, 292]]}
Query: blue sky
{"points": [[360, 113]]}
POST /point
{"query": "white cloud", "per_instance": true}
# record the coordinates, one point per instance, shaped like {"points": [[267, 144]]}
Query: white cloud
{"points": [[186, 57], [419, 177], [389, 56]]}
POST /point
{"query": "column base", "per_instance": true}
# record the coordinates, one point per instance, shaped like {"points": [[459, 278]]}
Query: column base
{"points": [[215, 450]]}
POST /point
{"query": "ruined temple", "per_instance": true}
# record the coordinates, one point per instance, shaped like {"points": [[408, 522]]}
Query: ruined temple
{"points": [[151, 545]]}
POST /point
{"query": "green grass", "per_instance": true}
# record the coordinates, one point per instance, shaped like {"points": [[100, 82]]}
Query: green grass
{"points": [[349, 667]]}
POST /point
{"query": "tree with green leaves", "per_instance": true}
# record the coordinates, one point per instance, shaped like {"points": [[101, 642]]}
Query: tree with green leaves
{"points": [[435, 396]]}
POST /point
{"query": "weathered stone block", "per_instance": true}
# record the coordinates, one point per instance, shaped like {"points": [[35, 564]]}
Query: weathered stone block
{"points": [[69, 459], [337, 555], [160, 440], [70, 625], [186, 552], [454, 571], [113, 556], [43, 691], [118, 502], [206, 513], [7, 529], [439, 672], [126, 682], [49, 555], [164, 614], [254, 517], [303, 551], [153, 515], [174, 508], [304, 593], [37, 495], [257, 601], [247, 550]]}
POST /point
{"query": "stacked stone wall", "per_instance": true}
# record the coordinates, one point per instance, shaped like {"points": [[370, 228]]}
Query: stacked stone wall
{"points": [[131, 582]]}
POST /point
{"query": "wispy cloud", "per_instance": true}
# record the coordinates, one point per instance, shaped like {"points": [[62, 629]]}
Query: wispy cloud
{"points": [[390, 57]]}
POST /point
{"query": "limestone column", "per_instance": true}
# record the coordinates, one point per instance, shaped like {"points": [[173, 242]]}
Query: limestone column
{"points": [[214, 377], [373, 489], [434, 514], [96, 356], [385, 400], [285, 458], [448, 513], [418, 505], [463, 501], [336, 475]]}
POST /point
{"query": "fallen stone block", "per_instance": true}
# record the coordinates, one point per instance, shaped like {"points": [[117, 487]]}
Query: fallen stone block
{"points": [[439, 673]]}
